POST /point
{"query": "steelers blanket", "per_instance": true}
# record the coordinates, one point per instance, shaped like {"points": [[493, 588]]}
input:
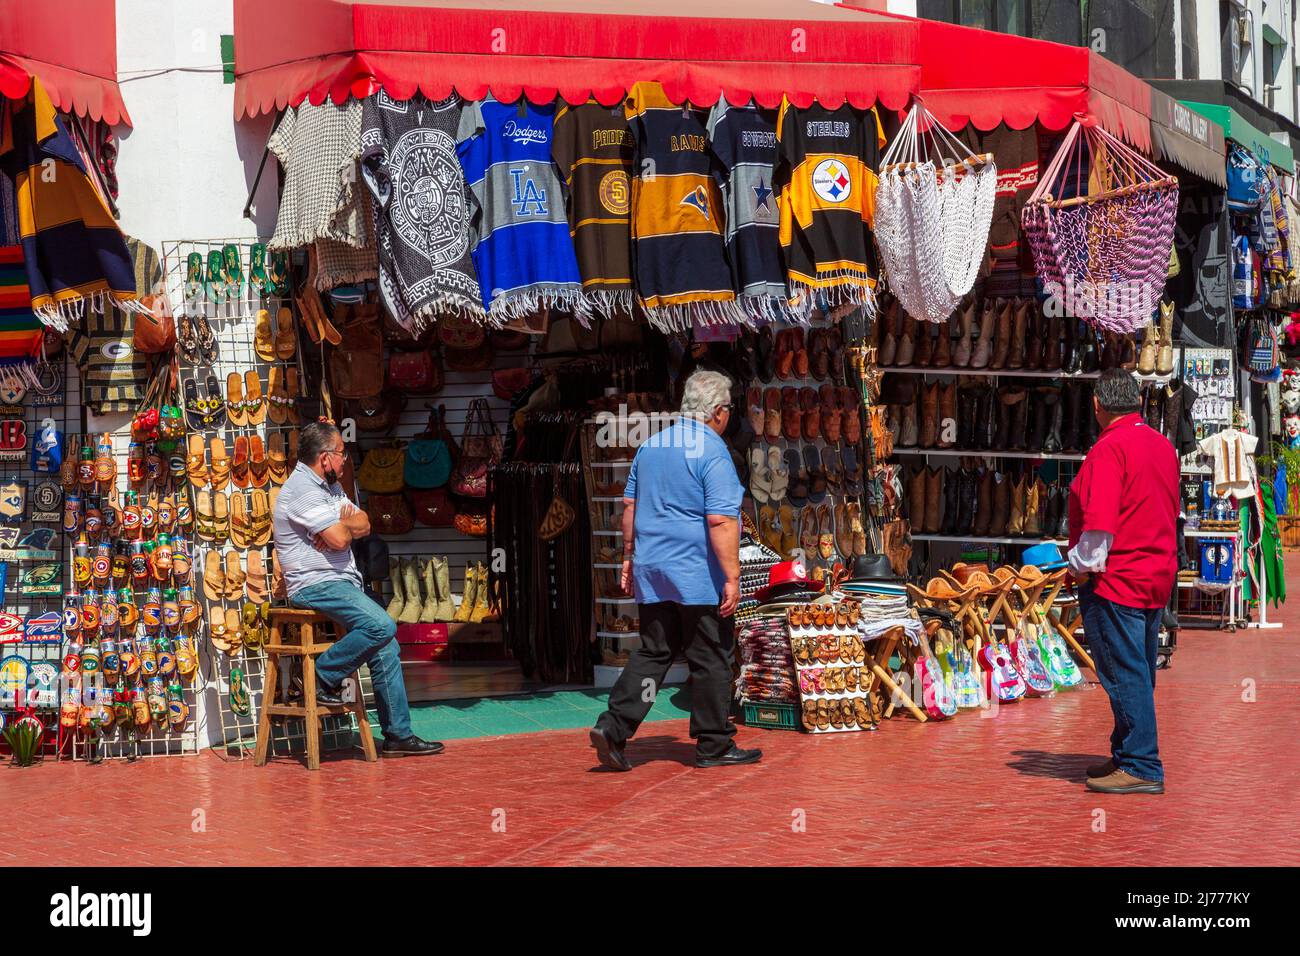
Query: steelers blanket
{"points": [[593, 150], [826, 176], [678, 253], [744, 141]]}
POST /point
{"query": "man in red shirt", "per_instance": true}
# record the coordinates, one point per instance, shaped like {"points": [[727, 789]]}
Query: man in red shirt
{"points": [[1123, 544]]}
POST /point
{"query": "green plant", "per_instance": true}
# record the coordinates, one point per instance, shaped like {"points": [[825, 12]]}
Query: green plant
{"points": [[24, 738]]}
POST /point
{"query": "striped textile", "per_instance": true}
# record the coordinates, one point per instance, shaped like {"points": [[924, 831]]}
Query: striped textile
{"points": [[20, 330]]}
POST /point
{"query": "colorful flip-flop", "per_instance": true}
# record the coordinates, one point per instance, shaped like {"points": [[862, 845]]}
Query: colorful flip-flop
{"points": [[277, 273], [232, 259], [257, 278], [239, 703], [215, 280]]}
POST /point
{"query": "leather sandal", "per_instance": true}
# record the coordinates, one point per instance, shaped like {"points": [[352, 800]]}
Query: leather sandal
{"points": [[263, 340], [816, 477], [791, 417], [291, 395], [826, 535], [261, 518], [754, 408], [789, 531], [800, 353], [220, 517], [254, 400], [234, 575], [258, 467], [205, 525], [239, 473], [279, 462], [808, 531], [779, 483], [240, 524], [214, 406], [255, 581], [812, 419], [235, 406], [798, 488], [219, 467], [286, 342], [772, 414], [276, 400], [217, 629], [832, 415], [851, 417], [214, 576]]}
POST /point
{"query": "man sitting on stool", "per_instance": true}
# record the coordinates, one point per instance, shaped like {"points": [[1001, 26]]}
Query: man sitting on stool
{"points": [[315, 525]]}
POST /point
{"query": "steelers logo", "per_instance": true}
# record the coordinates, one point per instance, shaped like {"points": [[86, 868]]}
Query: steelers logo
{"points": [[830, 181], [615, 192]]}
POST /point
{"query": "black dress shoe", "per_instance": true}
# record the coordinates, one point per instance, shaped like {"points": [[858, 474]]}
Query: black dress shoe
{"points": [[733, 756], [412, 746], [609, 755], [330, 698]]}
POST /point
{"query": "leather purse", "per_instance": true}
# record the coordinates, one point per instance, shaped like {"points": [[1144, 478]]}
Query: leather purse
{"points": [[357, 363], [433, 507], [428, 463], [414, 373], [480, 449], [477, 359], [471, 524], [155, 326], [389, 514], [376, 414], [382, 469], [508, 382]]}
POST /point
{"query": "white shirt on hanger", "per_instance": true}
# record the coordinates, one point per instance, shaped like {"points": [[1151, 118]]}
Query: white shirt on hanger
{"points": [[1233, 454]]}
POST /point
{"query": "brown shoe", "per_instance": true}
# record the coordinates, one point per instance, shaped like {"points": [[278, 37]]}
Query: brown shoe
{"points": [[947, 425], [1122, 782], [941, 357], [933, 500], [916, 489], [1001, 507], [984, 505], [1019, 334], [929, 415], [1101, 770], [1016, 523], [1002, 343]]}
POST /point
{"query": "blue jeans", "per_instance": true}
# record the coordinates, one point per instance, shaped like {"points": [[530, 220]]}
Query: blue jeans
{"points": [[371, 638], [1123, 642]]}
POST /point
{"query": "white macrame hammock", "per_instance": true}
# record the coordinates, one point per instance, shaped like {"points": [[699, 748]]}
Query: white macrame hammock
{"points": [[932, 221]]}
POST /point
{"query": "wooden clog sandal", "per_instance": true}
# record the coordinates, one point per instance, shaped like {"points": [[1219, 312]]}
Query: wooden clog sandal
{"points": [[276, 400], [220, 517], [214, 576], [235, 406], [277, 460], [219, 468], [255, 582], [254, 399], [196, 461], [263, 339], [261, 519], [258, 467], [285, 340], [239, 473], [217, 628], [238, 693], [240, 525], [234, 577], [292, 395]]}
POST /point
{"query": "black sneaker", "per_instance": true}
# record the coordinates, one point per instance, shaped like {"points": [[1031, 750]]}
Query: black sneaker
{"points": [[412, 746], [733, 756], [330, 698], [609, 755]]}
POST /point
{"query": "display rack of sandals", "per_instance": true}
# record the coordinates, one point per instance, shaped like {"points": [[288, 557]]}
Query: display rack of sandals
{"points": [[34, 438], [238, 381]]}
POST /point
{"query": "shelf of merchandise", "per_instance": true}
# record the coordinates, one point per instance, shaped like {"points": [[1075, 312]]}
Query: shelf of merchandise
{"points": [[1000, 372], [991, 453], [1199, 533], [1027, 541]]}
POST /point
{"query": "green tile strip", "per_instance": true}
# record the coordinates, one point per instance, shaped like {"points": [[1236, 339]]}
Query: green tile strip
{"points": [[527, 713], [227, 58]]}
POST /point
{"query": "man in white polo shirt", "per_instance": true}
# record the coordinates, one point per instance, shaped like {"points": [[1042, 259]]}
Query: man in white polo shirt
{"points": [[315, 525]]}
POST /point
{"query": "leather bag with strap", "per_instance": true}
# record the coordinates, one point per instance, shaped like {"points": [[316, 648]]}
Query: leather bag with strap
{"points": [[382, 469], [389, 514], [414, 373], [480, 449], [357, 363], [376, 415], [432, 507]]}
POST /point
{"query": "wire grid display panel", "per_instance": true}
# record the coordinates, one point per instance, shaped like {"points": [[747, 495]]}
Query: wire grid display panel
{"points": [[56, 737]]}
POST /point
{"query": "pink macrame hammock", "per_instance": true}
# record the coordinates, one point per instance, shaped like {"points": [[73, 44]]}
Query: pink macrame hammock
{"points": [[1102, 255]]}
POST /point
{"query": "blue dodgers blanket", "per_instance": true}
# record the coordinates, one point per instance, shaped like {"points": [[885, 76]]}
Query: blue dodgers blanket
{"points": [[519, 226]]}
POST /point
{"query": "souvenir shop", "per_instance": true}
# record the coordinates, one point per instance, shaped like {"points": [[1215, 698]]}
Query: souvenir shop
{"points": [[506, 237]]}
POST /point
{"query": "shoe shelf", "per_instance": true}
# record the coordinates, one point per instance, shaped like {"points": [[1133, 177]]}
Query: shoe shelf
{"points": [[999, 372], [1206, 533], [1026, 540], [992, 453]]}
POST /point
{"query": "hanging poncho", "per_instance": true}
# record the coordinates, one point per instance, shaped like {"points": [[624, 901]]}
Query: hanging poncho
{"points": [[522, 250], [826, 170], [744, 141], [408, 159], [682, 275], [593, 149]]}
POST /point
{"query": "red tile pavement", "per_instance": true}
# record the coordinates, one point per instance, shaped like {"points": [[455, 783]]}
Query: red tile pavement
{"points": [[1006, 790]]}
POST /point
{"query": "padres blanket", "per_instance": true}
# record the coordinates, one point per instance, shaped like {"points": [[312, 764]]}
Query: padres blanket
{"points": [[593, 149], [744, 141], [520, 232], [826, 171], [73, 252], [679, 256], [408, 160]]}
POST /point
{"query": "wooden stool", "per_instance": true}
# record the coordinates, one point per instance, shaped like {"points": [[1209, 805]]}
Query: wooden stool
{"points": [[296, 633]]}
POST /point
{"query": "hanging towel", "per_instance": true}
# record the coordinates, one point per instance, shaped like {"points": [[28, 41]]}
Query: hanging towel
{"points": [[680, 257], [826, 171], [522, 250], [422, 227], [593, 149], [72, 249], [744, 141]]}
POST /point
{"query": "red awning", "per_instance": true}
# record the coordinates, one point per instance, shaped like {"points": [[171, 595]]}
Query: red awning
{"points": [[71, 46], [296, 49]]}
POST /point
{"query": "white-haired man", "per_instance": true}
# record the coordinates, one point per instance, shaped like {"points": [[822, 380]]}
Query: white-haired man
{"points": [[681, 558]]}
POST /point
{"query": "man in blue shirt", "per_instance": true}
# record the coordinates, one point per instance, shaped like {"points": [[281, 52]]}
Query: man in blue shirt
{"points": [[681, 557]]}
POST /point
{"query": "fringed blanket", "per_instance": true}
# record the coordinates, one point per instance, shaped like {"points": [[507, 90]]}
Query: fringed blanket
{"points": [[74, 253]]}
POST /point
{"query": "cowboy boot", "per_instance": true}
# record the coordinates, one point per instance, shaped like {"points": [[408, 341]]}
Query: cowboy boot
{"points": [[1061, 529], [984, 505], [1019, 422], [1033, 519], [1035, 333], [924, 344], [1109, 353], [1002, 430], [942, 356], [1051, 515], [933, 499], [399, 598], [1019, 330], [467, 597], [482, 609], [1052, 350], [1128, 356], [929, 415], [1002, 344], [967, 401], [1012, 428], [961, 354], [1016, 520], [1165, 352], [444, 609], [910, 429], [1071, 351], [1001, 506], [1146, 363], [412, 606], [984, 343], [1040, 420], [1056, 417], [906, 343], [1173, 412], [947, 415], [1090, 350], [985, 418], [916, 489], [951, 505], [429, 609], [1070, 412], [889, 339], [967, 497]]}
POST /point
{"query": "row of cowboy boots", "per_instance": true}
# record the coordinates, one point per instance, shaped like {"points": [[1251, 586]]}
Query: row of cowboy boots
{"points": [[476, 604], [829, 529], [964, 503], [409, 605], [1162, 407]]}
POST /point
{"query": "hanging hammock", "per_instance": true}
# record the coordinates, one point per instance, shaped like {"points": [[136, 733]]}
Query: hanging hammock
{"points": [[1100, 226], [932, 221]]}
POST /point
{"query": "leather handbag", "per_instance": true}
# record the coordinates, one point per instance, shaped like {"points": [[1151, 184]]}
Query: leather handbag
{"points": [[389, 514], [477, 359], [155, 326], [433, 507], [455, 332], [428, 463], [471, 524], [480, 449], [508, 382], [377, 414], [414, 373], [381, 471], [357, 363]]}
